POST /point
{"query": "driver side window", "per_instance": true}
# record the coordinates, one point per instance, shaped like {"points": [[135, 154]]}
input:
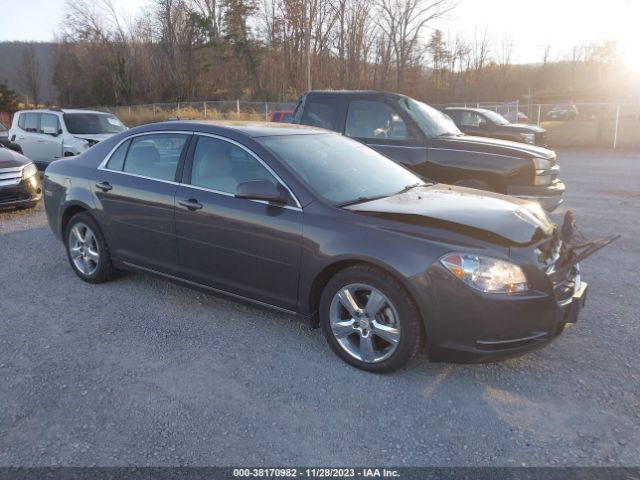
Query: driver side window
{"points": [[374, 120], [49, 124], [471, 119]]}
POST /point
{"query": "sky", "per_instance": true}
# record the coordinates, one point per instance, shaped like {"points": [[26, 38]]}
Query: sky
{"points": [[530, 24]]}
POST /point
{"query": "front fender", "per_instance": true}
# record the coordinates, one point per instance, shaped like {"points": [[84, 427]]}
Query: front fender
{"points": [[496, 169]]}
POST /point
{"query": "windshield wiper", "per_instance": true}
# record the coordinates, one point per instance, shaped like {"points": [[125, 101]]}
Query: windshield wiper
{"points": [[449, 134], [359, 200], [378, 197], [410, 187]]}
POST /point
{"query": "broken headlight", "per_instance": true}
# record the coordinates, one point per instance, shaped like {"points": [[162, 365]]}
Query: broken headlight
{"points": [[486, 274], [29, 171]]}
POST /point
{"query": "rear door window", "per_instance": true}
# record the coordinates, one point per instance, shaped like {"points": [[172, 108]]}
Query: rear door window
{"points": [[320, 113], [155, 156]]}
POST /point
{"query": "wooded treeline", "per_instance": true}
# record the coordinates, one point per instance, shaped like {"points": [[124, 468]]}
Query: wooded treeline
{"points": [[272, 50]]}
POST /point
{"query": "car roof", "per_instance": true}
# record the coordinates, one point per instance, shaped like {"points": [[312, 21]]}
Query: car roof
{"points": [[249, 129], [355, 93], [61, 110]]}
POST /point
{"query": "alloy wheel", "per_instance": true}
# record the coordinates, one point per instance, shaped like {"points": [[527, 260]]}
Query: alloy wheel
{"points": [[365, 323], [83, 248]]}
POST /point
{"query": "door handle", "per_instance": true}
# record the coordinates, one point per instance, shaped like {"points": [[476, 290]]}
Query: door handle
{"points": [[192, 204], [20, 137], [104, 186]]}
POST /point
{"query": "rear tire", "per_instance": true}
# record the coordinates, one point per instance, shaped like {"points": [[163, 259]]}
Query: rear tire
{"points": [[87, 249], [369, 320]]}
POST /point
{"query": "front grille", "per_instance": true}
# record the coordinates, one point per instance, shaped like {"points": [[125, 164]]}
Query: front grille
{"points": [[10, 176], [13, 197]]}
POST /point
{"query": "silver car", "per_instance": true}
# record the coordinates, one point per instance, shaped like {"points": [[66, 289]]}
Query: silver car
{"points": [[48, 134]]}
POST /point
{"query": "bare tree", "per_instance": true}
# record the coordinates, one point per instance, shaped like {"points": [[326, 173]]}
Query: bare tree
{"points": [[503, 55], [480, 55], [402, 22], [30, 73]]}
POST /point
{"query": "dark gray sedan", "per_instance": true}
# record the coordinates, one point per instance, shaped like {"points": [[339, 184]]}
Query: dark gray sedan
{"points": [[316, 224]]}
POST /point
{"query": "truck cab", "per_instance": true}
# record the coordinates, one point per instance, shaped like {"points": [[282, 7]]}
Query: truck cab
{"points": [[429, 143]]}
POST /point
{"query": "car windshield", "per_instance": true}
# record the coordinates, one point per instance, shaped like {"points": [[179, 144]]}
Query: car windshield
{"points": [[431, 121], [338, 169], [496, 118], [92, 123]]}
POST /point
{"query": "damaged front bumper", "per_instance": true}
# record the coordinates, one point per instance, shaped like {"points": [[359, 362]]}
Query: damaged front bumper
{"points": [[481, 327]]}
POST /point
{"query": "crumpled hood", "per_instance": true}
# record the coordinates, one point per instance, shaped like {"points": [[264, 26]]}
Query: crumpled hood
{"points": [[466, 210], [97, 137]]}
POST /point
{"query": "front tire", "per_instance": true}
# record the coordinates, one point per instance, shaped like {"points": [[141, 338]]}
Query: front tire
{"points": [[369, 319], [87, 249]]}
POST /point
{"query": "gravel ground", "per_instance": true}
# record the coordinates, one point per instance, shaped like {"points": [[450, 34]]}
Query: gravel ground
{"points": [[142, 372]]}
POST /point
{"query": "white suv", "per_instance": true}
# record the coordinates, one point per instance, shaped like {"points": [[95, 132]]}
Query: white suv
{"points": [[46, 135]]}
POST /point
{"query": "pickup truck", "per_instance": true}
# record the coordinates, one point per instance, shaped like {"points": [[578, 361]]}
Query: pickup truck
{"points": [[487, 123], [429, 143]]}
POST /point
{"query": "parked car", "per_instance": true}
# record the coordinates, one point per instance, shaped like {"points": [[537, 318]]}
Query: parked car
{"points": [[516, 116], [487, 123], [283, 116], [49, 134], [563, 112], [316, 224], [4, 139], [19, 180], [427, 141]]}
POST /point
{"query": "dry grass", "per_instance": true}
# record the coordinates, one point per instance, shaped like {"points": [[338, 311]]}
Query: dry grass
{"points": [[138, 116]]}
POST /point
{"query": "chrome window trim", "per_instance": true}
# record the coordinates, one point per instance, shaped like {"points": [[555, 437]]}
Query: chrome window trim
{"points": [[103, 166]]}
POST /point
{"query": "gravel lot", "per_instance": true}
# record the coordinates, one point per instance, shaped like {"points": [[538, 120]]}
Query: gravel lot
{"points": [[142, 372]]}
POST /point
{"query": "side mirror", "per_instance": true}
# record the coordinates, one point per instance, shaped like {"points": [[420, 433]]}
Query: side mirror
{"points": [[261, 190], [54, 132], [482, 125]]}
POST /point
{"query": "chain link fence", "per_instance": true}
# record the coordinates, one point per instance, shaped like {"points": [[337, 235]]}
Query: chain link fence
{"points": [[593, 125], [215, 110]]}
